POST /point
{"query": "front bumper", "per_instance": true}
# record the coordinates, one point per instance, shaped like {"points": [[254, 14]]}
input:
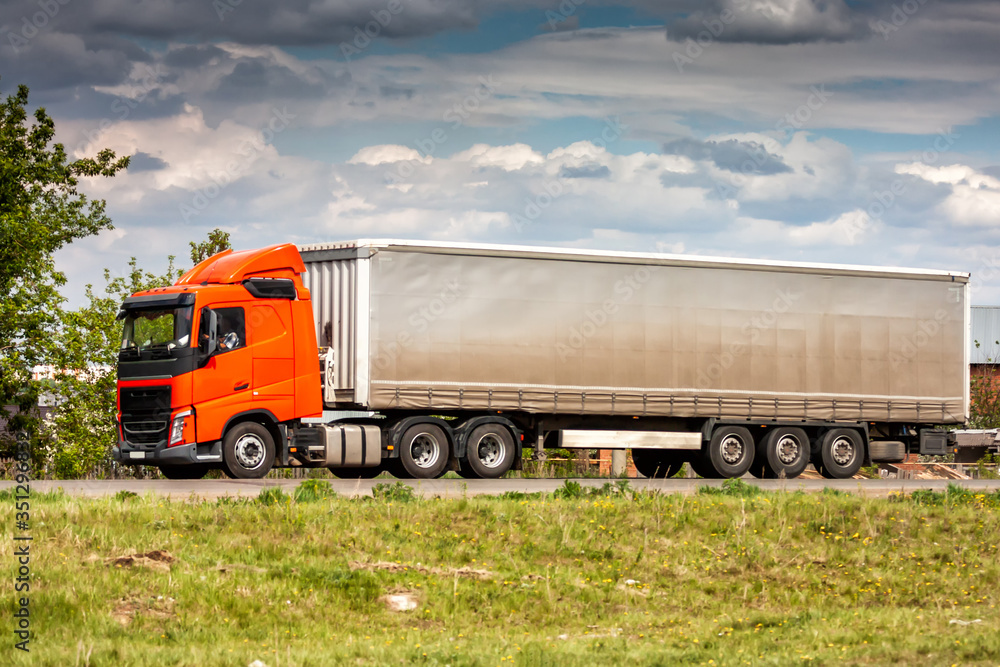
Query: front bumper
{"points": [[186, 454]]}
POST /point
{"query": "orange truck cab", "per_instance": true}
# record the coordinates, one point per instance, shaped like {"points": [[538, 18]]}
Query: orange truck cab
{"points": [[214, 369]]}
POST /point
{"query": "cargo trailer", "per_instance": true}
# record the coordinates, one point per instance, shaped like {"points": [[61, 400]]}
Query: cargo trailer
{"points": [[438, 356]]}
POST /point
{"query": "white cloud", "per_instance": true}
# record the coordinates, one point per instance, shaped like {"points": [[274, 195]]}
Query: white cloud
{"points": [[386, 154], [848, 229], [508, 158], [974, 199]]}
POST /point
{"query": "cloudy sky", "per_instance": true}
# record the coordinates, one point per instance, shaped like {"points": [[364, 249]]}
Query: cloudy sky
{"points": [[850, 131]]}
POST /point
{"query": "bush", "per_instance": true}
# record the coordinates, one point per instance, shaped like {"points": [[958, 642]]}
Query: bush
{"points": [[272, 496], [570, 490], [312, 490], [398, 492], [732, 487]]}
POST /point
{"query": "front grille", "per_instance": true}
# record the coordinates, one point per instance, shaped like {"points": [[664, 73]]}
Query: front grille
{"points": [[145, 415]]}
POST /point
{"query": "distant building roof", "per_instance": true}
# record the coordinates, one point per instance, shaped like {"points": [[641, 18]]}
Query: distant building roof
{"points": [[985, 332]]}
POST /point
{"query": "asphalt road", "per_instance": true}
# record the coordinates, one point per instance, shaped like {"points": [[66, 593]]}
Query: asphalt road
{"points": [[457, 488]]}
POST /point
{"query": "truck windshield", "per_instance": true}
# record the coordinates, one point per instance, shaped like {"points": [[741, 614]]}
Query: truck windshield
{"points": [[163, 329]]}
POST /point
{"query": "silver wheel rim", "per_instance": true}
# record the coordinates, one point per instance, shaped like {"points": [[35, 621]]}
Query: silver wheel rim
{"points": [[491, 450], [732, 449], [788, 449], [250, 451], [425, 450], [842, 451]]}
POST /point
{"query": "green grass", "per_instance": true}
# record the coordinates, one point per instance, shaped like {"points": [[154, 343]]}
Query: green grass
{"points": [[591, 577]]}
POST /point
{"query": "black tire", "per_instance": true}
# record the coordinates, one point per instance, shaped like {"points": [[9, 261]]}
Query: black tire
{"points": [[356, 473], [248, 451], [841, 453], [703, 469], [757, 468], [489, 453], [730, 452], [783, 452], [465, 473], [658, 463], [423, 451], [192, 471], [395, 468]]}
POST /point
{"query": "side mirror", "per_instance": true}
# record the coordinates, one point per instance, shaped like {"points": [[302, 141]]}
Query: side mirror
{"points": [[208, 337]]}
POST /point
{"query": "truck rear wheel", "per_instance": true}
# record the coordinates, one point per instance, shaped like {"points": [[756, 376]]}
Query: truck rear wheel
{"points": [[783, 452], [658, 463], [423, 451], [248, 451], [489, 452], [841, 453], [730, 452], [193, 471]]}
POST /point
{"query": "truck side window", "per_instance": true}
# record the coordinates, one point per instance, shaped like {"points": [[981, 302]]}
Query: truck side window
{"points": [[231, 329]]}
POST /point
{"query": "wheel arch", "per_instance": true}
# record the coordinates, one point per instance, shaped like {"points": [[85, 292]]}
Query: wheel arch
{"points": [[394, 434], [263, 417]]}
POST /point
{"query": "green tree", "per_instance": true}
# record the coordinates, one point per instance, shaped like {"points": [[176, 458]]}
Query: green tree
{"points": [[41, 210], [218, 241]]}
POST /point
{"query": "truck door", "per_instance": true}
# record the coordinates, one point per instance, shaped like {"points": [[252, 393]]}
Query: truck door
{"points": [[222, 387], [273, 361]]}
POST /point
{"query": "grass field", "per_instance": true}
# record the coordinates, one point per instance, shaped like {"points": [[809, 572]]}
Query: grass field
{"points": [[573, 578]]}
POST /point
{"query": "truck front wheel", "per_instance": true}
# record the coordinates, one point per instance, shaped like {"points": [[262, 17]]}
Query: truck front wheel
{"points": [[248, 451], [423, 451]]}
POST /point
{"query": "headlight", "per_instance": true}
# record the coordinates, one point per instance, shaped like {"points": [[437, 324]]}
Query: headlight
{"points": [[181, 420]]}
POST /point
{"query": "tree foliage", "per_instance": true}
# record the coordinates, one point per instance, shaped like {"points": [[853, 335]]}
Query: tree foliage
{"points": [[218, 241], [41, 210]]}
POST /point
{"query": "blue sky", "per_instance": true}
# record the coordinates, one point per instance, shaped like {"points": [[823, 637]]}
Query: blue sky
{"points": [[810, 130]]}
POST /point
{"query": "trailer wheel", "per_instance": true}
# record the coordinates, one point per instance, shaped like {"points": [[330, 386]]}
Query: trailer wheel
{"points": [[489, 451], [783, 452], [658, 463], [841, 453], [248, 451], [356, 473], [193, 471], [423, 451], [730, 453]]}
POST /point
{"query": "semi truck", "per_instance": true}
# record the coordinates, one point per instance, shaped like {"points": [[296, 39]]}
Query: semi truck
{"points": [[418, 358]]}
